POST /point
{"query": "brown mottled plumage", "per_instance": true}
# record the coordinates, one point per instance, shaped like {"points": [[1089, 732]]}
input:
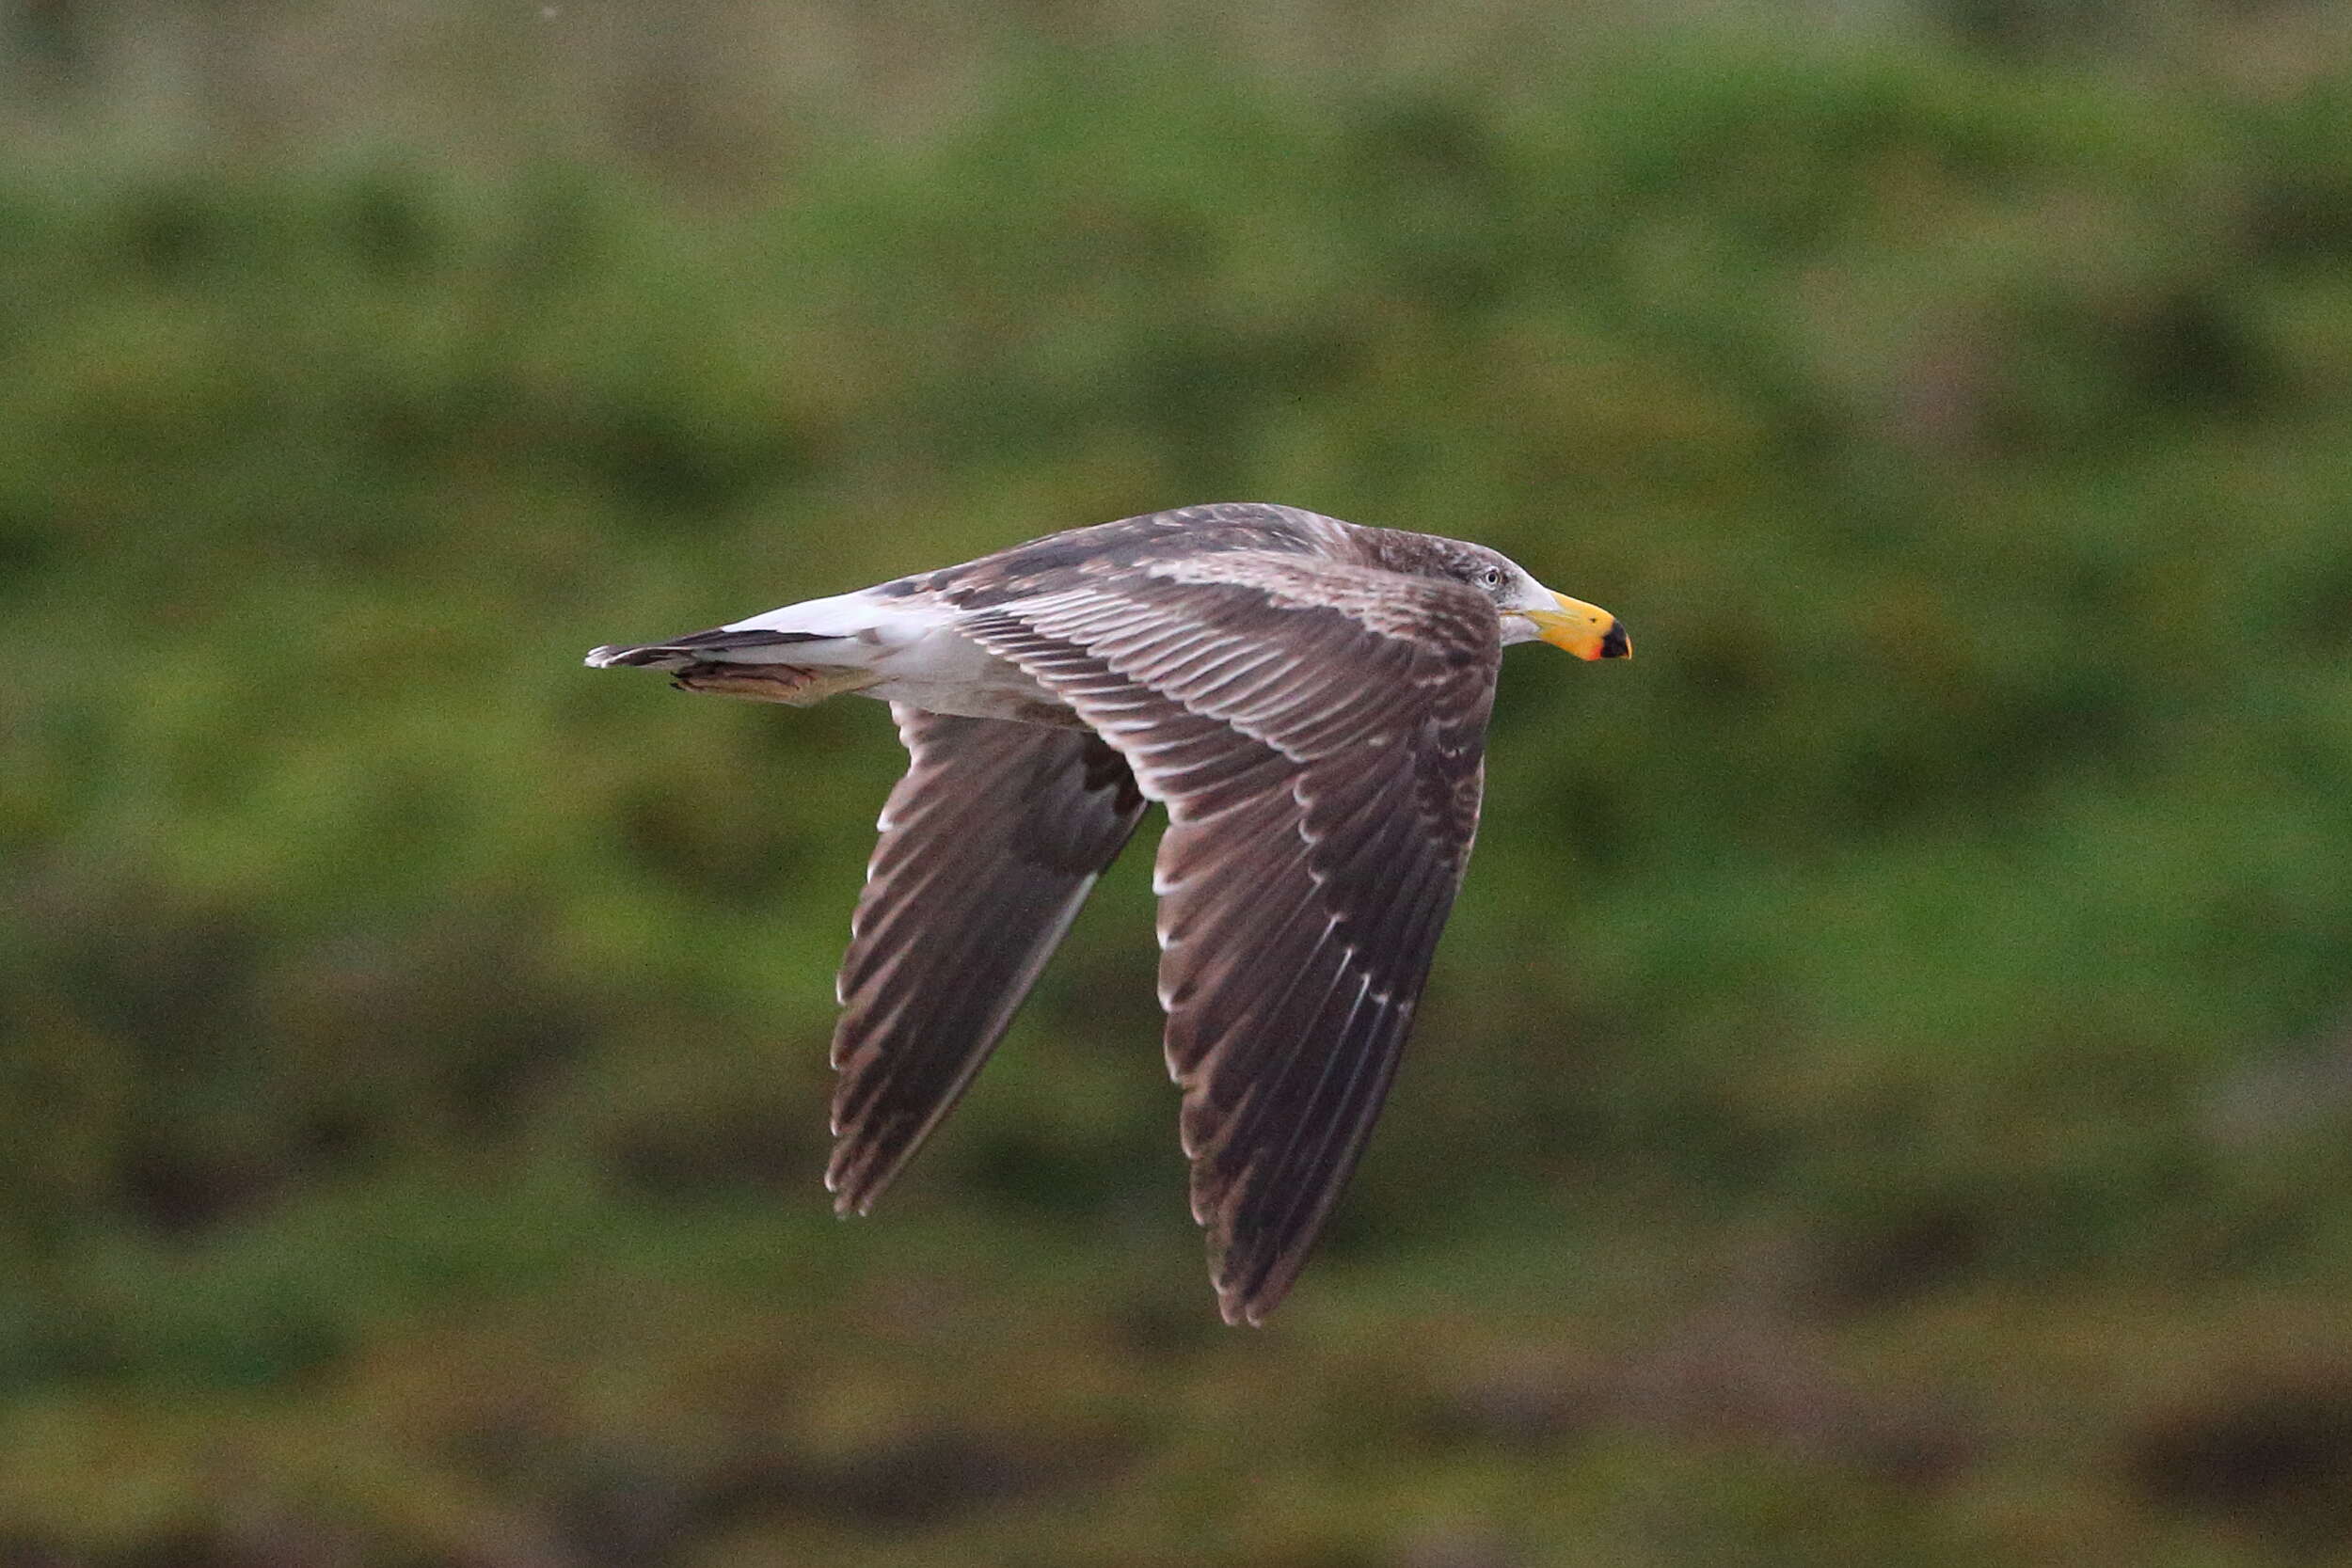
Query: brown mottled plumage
{"points": [[1307, 697]]}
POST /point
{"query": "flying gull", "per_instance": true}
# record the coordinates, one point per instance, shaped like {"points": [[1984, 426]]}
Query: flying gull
{"points": [[1309, 700]]}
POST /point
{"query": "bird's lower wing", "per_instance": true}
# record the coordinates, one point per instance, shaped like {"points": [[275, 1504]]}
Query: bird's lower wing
{"points": [[989, 846], [1318, 745]]}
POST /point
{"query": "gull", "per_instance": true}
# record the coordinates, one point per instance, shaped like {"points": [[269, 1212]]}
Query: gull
{"points": [[1308, 698]]}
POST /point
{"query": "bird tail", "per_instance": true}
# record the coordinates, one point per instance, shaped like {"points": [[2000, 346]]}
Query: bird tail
{"points": [[723, 645], [735, 662]]}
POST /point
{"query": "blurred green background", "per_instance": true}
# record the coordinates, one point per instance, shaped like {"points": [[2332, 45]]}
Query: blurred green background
{"points": [[1885, 1094]]}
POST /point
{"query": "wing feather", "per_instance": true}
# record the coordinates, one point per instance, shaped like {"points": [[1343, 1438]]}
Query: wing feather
{"points": [[989, 846], [1315, 729]]}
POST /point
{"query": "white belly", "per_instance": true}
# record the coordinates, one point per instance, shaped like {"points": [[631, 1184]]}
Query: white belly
{"points": [[913, 645], [944, 672], [918, 651]]}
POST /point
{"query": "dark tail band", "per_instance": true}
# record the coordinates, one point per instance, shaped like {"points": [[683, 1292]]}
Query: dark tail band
{"points": [[680, 651]]}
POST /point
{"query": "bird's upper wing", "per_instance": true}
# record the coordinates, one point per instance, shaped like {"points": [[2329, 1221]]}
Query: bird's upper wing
{"points": [[1316, 730], [989, 844]]}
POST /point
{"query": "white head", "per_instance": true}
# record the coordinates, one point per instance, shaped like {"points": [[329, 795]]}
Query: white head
{"points": [[1532, 612]]}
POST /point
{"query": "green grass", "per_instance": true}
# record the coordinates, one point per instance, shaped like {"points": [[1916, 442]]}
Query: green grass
{"points": [[1876, 1102]]}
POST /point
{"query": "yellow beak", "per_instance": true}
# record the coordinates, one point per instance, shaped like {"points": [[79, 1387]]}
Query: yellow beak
{"points": [[1585, 630]]}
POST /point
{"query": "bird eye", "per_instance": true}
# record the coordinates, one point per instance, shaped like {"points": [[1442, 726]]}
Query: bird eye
{"points": [[1490, 578]]}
